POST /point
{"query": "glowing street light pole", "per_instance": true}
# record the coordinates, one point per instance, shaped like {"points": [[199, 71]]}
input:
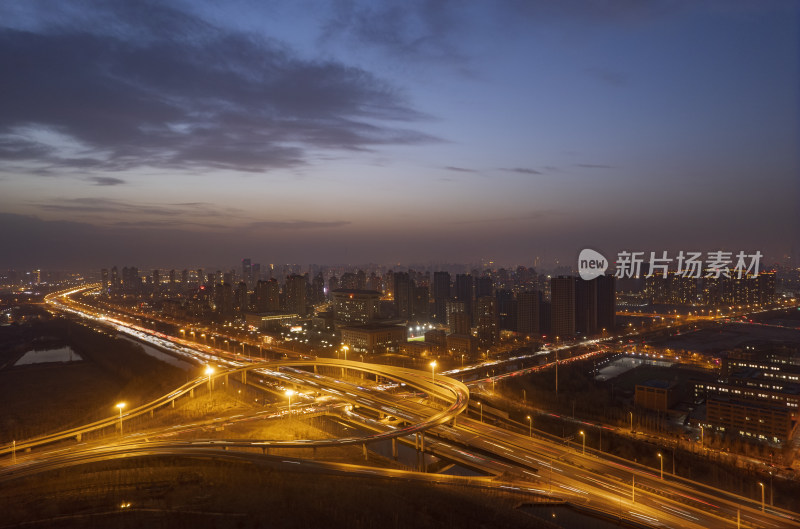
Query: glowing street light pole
{"points": [[289, 393], [631, 414], [120, 406], [762, 496], [433, 371], [583, 437], [530, 426], [480, 404], [209, 371], [661, 459], [345, 349]]}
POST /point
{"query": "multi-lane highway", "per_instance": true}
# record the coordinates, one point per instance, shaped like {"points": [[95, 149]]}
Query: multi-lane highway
{"points": [[537, 465]]}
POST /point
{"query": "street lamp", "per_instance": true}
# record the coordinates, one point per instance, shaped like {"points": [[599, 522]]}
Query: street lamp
{"points": [[583, 437], [661, 459], [631, 414], [762, 496], [462, 360], [530, 426], [433, 371], [120, 406], [480, 404], [702, 437], [289, 393], [345, 349], [209, 371]]}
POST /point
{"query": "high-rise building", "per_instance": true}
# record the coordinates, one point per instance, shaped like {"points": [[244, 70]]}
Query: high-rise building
{"points": [[487, 321], [115, 282], [586, 306], [296, 294], [403, 294], [528, 312], [420, 304], [355, 306], [317, 289], [441, 294], [507, 308], [606, 303], [241, 301], [483, 287], [246, 271], [267, 296], [104, 280], [458, 322], [464, 292], [562, 309]]}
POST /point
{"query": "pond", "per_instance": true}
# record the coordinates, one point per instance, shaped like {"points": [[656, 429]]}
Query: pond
{"points": [[63, 354]]}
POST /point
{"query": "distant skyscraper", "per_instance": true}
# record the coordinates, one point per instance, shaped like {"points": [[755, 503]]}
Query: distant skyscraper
{"points": [[420, 304], [241, 302], [333, 284], [464, 292], [586, 306], [458, 321], [562, 315], [606, 303], [246, 271], [403, 294], [441, 293], [296, 294], [104, 280], [483, 287], [317, 289], [487, 321], [267, 296], [506, 310], [115, 283], [528, 312]]}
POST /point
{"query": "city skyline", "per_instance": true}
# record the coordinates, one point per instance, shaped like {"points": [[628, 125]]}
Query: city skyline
{"points": [[188, 132]]}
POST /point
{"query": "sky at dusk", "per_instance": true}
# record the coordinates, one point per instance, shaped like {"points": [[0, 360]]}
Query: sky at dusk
{"points": [[198, 133]]}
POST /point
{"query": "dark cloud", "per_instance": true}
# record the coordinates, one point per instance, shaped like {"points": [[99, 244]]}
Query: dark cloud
{"points": [[407, 30], [109, 210], [152, 86], [460, 169], [521, 170], [106, 181], [593, 166], [298, 224]]}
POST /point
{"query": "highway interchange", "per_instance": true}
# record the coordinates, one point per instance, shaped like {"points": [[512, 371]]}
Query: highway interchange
{"points": [[431, 417]]}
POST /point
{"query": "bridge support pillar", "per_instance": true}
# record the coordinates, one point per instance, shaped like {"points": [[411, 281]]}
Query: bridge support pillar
{"points": [[416, 442], [226, 379], [422, 442], [394, 448], [244, 377], [78, 438], [364, 445], [315, 369], [151, 413], [172, 402], [191, 393]]}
